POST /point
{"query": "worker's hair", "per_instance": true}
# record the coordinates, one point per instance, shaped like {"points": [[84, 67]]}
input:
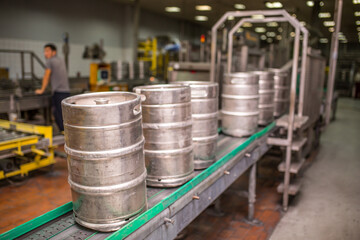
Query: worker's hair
{"points": [[51, 45]]}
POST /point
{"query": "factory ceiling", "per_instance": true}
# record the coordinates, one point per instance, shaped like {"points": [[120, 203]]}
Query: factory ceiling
{"points": [[210, 11]]}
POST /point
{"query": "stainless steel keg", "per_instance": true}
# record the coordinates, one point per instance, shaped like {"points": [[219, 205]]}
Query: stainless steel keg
{"points": [[266, 97], [282, 91], [167, 126], [240, 100], [204, 105], [104, 143]]}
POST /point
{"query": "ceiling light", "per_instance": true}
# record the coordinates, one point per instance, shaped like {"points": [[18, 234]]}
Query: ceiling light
{"points": [[331, 29], [329, 23], [322, 4], [239, 6], [323, 40], [356, 1], [201, 18], [172, 9], [247, 24], [203, 7], [258, 16], [279, 37], [231, 18], [270, 34], [293, 15], [263, 37], [260, 30], [272, 24], [357, 22], [357, 14], [303, 23], [292, 34], [240, 30], [310, 3], [280, 29], [273, 5], [324, 15]]}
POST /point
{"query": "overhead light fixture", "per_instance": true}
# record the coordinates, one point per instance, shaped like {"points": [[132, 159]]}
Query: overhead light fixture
{"points": [[201, 18], [273, 5], [239, 6], [310, 3], [329, 23], [172, 9], [293, 15], [272, 24], [247, 24], [292, 34], [356, 1], [323, 40], [231, 18], [260, 30], [203, 7], [324, 15], [280, 30], [257, 16], [240, 30], [357, 22], [279, 37], [357, 14], [322, 4], [270, 34], [263, 37], [303, 23]]}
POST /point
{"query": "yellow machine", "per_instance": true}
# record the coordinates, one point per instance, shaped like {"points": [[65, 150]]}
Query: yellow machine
{"points": [[31, 144], [100, 79], [148, 51]]}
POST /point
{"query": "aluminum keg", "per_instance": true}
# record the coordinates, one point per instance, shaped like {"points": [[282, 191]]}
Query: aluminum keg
{"points": [[104, 143], [240, 100], [167, 126], [266, 97], [204, 107], [282, 91]]}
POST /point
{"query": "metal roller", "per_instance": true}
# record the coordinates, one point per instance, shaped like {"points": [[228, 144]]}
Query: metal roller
{"points": [[204, 105], [104, 143], [167, 126], [240, 100]]}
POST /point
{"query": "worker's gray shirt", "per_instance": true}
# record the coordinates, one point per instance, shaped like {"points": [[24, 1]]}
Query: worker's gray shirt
{"points": [[58, 78]]}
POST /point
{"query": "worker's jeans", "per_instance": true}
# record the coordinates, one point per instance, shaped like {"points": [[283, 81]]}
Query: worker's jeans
{"points": [[57, 97]]}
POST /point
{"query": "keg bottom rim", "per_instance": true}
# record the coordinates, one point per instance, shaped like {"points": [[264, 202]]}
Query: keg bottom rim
{"points": [[239, 132], [200, 164], [110, 227], [153, 181]]}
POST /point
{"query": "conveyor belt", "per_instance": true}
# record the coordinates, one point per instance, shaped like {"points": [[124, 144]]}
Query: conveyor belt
{"points": [[173, 203]]}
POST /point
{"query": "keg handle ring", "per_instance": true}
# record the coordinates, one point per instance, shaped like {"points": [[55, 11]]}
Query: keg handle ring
{"points": [[137, 109]]}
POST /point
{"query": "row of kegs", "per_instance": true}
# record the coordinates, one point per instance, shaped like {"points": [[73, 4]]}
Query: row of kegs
{"points": [[119, 142]]}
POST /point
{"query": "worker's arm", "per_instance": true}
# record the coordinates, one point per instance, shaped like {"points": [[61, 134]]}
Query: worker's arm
{"points": [[45, 82]]}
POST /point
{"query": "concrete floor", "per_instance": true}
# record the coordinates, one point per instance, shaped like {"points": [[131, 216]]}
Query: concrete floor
{"points": [[328, 206]]}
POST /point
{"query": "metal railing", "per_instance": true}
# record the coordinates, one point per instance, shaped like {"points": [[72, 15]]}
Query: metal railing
{"points": [[33, 58]]}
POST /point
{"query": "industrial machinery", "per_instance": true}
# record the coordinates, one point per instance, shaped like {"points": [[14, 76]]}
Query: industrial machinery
{"points": [[24, 148]]}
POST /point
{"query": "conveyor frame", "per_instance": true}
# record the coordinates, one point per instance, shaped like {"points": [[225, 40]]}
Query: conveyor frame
{"points": [[170, 210]]}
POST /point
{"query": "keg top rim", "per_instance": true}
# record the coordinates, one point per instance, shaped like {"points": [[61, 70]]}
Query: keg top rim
{"points": [[197, 83], [162, 87], [277, 70], [91, 97], [240, 74], [263, 72]]}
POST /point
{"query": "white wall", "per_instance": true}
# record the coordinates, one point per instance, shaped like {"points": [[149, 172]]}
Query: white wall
{"points": [[29, 25]]}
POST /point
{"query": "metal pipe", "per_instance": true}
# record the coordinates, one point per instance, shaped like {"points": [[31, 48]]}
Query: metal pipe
{"points": [[252, 192], [291, 119], [136, 29], [222, 20], [333, 59], [302, 74]]}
